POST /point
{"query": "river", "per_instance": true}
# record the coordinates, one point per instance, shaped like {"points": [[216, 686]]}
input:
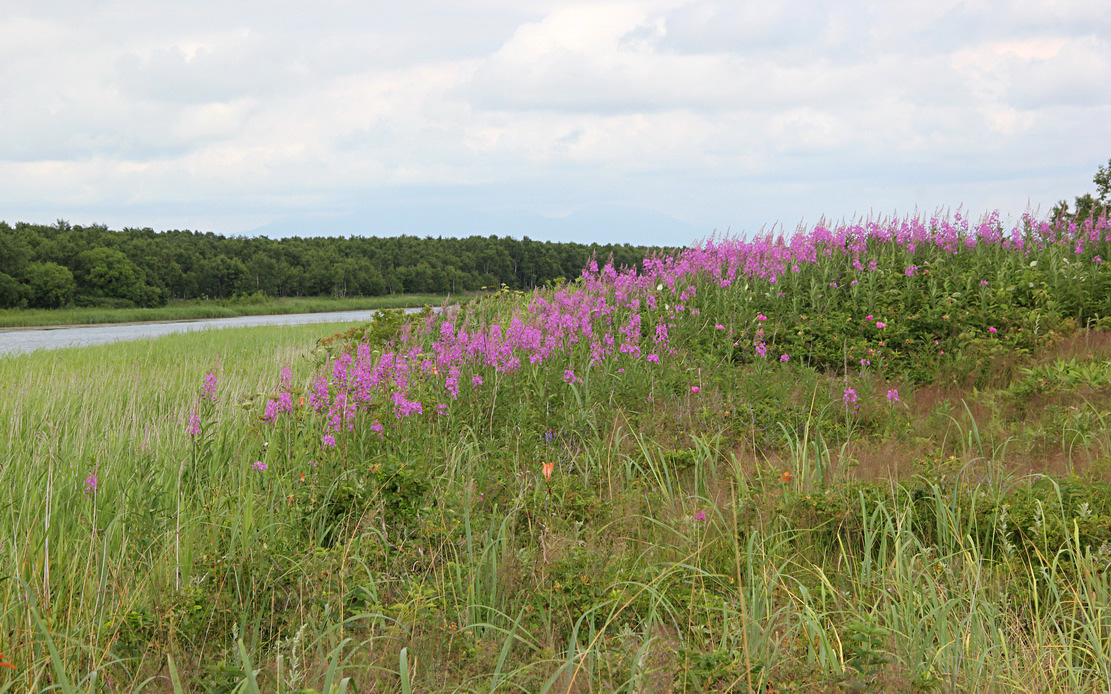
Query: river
{"points": [[20, 340]]}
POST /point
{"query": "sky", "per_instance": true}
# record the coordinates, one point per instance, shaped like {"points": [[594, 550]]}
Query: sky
{"points": [[656, 122]]}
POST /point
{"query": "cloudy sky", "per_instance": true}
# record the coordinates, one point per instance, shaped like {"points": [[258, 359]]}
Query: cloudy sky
{"points": [[654, 121]]}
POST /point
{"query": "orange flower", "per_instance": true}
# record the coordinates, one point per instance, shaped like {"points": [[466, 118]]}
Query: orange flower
{"points": [[301, 402], [786, 477], [3, 664], [547, 470]]}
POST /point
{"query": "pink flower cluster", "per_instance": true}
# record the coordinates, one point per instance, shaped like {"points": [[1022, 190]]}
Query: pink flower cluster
{"points": [[613, 317]]}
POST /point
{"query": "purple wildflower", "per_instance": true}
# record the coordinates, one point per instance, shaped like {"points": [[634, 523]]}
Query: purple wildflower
{"points": [[194, 424], [270, 414]]}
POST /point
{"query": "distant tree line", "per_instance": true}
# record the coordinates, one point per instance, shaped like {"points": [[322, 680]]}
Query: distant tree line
{"points": [[59, 265]]}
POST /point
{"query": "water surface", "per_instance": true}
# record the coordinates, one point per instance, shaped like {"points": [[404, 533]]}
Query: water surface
{"points": [[19, 340]]}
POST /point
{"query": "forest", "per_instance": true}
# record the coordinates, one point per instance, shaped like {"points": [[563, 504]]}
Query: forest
{"points": [[71, 265]]}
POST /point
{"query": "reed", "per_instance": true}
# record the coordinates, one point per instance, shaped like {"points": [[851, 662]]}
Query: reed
{"points": [[474, 501]]}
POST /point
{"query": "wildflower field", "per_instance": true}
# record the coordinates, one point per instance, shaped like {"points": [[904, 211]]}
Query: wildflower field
{"points": [[868, 457]]}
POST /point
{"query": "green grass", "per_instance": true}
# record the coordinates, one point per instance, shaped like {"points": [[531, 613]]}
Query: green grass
{"points": [[192, 310], [120, 410], [755, 535], [892, 586]]}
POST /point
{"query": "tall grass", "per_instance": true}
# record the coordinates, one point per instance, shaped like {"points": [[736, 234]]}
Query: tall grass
{"points": [[379, 517]]}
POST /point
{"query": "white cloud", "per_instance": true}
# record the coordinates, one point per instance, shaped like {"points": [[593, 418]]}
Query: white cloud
{"points": [[211, 120], [718, 113], [205, 69]]}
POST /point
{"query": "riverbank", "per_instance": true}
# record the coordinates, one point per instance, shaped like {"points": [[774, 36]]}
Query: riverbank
{"points": [[196, 310], [30, 339]]}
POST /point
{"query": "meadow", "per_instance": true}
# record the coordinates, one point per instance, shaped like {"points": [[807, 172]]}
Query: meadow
{"points": [[868, 457]]}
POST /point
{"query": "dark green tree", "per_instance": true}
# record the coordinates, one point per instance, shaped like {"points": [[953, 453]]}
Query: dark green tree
{"points": [[14, 251], [263, 271], [50, 285], [105, 272], [221, 277], [146, 267], [11, 292]]}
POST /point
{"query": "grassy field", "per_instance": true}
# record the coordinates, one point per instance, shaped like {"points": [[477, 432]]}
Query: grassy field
{"points": [[755, 467], [191, 310]]}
